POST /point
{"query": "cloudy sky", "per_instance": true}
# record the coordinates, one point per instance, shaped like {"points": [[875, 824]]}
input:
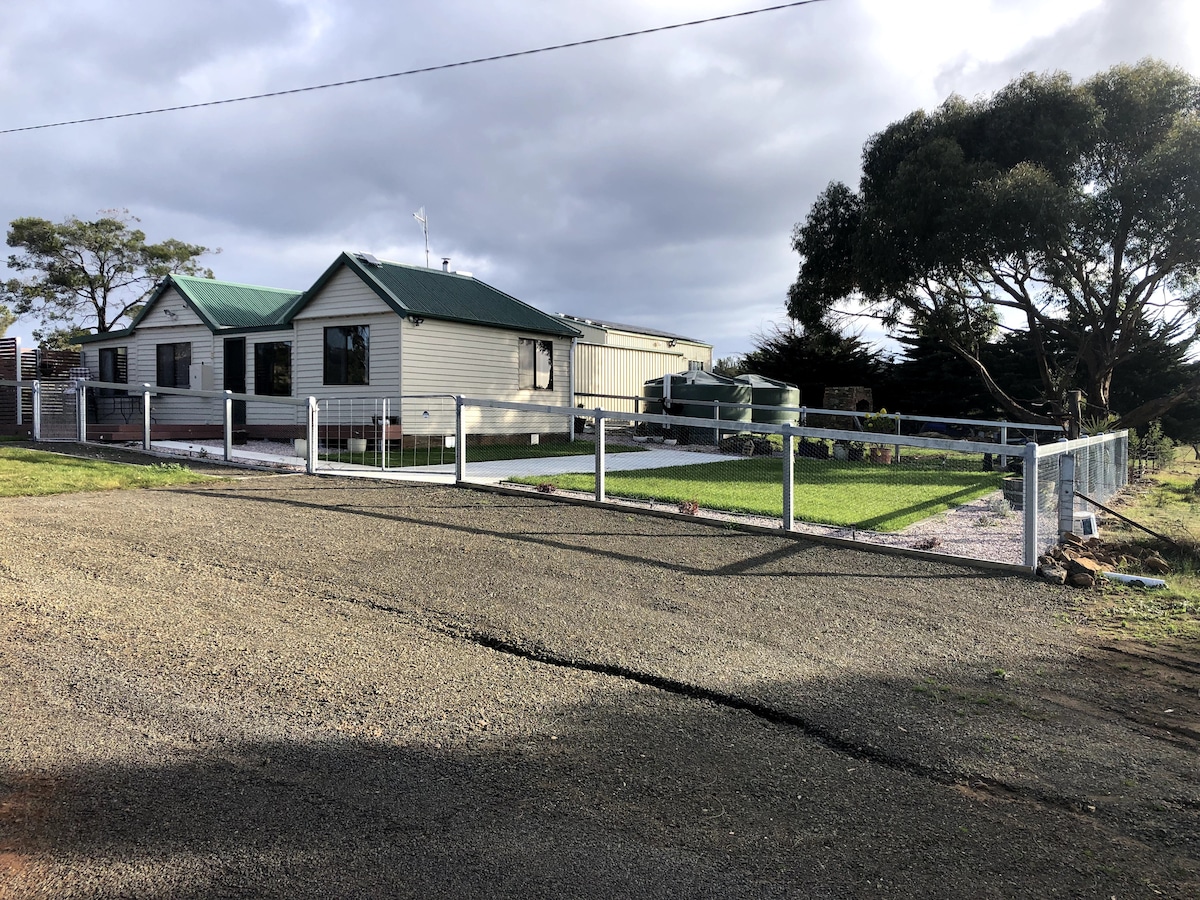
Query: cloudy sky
{"points": [[653, 180]]}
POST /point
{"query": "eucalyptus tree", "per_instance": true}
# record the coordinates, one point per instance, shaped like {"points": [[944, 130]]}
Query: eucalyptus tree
{"points": [[1067, 211], [89, 276]]}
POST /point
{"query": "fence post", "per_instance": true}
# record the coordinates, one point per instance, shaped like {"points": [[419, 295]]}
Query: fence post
{"points": [[1066, 493], [146, 417], [20, 406], [312, 431], [36, 399], [383, 427], [81, 412], [460, 442], [228, 414], [897, 447], [599, 455], [1123, 459], [1030, 485], [789, 476], [1004, 441]]}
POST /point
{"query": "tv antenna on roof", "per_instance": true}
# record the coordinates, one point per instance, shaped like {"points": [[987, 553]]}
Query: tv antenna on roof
{"points": [[420, 216]]}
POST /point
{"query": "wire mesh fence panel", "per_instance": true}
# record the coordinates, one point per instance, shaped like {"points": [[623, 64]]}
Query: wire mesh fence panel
{"points": [[524, 446], [947, 495], [694, 469], [1049, 473], [897, 491], [351, 433], [422, 433], [59, 409], [1100, 470], [919, 498]]}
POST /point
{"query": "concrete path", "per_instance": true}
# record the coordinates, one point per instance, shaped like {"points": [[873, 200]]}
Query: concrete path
{"points": [[481, 472]]}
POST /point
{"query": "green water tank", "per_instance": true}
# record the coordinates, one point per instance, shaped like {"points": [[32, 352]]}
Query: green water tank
{"points": [[693, 394], [769, 392]]}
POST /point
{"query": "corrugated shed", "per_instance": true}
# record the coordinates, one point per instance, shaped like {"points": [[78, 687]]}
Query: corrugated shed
{"points": [[604, 373]]}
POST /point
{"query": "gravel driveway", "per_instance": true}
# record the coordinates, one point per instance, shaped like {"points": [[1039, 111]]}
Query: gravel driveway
{"points": [[309, 687]]}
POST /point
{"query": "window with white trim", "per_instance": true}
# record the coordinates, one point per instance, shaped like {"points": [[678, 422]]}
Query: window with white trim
{"points": [[535, 364]]}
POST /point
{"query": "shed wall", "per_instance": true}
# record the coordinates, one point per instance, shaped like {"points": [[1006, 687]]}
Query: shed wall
{"points": [[620, 372]]}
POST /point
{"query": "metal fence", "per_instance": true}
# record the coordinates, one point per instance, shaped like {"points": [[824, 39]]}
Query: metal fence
{"points": [[980, 499], [985, 499], [415, 431], [47, 408]]}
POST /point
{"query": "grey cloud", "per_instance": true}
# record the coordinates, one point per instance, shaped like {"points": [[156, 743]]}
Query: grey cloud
{"points": [[654, 180]]}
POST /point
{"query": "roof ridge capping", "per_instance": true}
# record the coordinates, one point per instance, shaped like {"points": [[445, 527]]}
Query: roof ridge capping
{"points": [[375, 262], [200, 279]]}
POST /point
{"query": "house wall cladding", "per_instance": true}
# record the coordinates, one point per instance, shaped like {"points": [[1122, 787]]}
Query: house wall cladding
{"points": [[477, 361], [143, 358], [182, 325], [345, 300]]}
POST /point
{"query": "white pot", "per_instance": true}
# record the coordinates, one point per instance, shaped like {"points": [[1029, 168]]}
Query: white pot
{"points": [[357, 445], [302, 448], [840, 452]]}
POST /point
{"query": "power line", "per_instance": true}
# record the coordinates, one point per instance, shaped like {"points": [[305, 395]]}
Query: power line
{"points": [[407, 72]]}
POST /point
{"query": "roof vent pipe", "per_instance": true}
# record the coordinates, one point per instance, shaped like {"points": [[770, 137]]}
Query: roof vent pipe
{"points": [[445, 264]]}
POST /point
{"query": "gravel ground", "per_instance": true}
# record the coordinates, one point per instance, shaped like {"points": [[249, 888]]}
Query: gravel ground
{"points": [[309, 687]]}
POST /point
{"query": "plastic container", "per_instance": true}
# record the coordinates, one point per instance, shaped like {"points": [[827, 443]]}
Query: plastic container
{"points": [[1136, 580]]}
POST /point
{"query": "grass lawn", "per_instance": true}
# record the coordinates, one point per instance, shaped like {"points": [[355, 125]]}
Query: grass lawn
{"points": [[33, 473], [421, 456], [1167, 502], [860, 494]]}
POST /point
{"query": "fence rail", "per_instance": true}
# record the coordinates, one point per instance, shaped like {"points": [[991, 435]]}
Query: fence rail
{"points": [[920, 483], [945, 495]]}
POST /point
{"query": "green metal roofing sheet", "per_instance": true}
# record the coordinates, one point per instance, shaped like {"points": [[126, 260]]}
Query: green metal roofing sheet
{"points": [[227, 305], [459, 298]]}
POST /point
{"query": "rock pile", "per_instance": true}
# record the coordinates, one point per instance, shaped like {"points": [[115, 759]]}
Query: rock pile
{"points": [[1079, 561]]}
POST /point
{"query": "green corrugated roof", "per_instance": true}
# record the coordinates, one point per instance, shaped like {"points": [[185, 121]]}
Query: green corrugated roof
{"points": [[224, 304], [459, 298]]}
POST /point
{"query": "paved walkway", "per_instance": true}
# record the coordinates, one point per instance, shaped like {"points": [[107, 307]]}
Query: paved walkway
{"points": [[482, 472]]}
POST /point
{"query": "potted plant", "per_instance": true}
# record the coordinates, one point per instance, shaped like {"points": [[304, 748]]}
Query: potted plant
{"points": [[880, 423]]}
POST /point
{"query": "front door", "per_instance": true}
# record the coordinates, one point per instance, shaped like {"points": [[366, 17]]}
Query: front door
{"points": [[235, 375]]}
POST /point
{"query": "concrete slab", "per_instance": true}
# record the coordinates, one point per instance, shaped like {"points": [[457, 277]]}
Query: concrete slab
{"points": [[481, 472]]}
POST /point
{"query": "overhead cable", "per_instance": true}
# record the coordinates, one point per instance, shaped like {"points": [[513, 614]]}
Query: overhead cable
{"points": [[407, 72]]}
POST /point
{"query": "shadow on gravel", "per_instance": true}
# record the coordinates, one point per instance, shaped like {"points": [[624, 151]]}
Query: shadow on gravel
{"points": [[615, 804], [591, 542]]}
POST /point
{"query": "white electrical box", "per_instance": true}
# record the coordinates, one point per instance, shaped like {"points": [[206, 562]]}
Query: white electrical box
{"points": [[200, 377], [1084, 525]]}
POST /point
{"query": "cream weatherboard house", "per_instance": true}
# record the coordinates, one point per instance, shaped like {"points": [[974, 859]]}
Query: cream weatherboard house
{"points": [[367, 330]]}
